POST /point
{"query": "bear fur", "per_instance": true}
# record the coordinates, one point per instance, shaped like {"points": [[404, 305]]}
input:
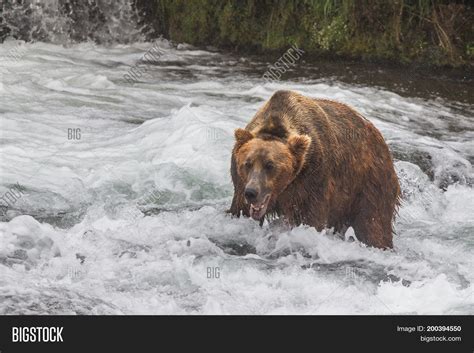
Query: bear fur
{"points": [[316, 162]]}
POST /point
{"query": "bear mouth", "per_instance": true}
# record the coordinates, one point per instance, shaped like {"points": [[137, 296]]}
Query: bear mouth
{"points": [[258, 210]]}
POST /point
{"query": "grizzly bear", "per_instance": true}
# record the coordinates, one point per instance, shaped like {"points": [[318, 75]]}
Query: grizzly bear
{"points": [[315, 162]]}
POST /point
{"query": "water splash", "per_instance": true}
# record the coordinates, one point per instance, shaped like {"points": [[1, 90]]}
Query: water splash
{"points": [[68, 21]]}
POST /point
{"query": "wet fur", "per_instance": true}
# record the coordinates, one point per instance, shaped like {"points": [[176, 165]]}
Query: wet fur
{"points": [[345, 178]]}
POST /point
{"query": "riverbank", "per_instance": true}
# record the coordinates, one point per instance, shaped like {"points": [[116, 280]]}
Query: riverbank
{"points": [[424, 33], [429, 33]]}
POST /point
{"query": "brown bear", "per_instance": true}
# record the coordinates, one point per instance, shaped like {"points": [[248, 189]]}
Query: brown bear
{"points": [[315, 162]]}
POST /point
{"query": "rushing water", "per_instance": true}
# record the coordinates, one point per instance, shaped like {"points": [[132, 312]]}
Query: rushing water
{"points": [[124, 187]]}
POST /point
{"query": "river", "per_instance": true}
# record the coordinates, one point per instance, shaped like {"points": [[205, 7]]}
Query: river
{"points": [[122, 189]]}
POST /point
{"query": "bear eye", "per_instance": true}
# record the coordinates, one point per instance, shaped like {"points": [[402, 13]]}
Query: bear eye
{"points": [[269, 166], [248, 164]]}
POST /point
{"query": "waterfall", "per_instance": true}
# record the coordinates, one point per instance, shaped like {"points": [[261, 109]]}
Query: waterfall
{"points": [[69, 21]]}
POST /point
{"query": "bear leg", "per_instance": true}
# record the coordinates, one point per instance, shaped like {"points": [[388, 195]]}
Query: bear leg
{"points": [[373, 227], [238, 203], [237, 207]]}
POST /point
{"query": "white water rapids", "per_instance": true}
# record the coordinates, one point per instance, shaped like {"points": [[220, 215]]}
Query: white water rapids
{"points": [[129, 217]]}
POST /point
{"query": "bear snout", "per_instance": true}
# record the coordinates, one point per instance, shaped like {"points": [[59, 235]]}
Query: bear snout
{"points": [[250, 194]]}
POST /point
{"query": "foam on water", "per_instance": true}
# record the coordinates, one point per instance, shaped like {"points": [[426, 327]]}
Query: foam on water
{"points": [[130, 217]]}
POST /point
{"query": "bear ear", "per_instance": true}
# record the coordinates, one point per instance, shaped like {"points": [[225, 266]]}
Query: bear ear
{"points": [[242, 136], [299, 147]]}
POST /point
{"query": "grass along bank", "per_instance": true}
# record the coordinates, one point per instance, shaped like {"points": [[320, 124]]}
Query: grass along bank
{"points": [[436, 33]]}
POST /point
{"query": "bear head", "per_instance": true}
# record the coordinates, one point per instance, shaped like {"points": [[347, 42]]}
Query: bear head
{"points": [[267, 164]]}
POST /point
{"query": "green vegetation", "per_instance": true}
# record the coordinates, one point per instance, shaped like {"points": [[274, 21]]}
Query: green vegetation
{"points": [[424, 31]]}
